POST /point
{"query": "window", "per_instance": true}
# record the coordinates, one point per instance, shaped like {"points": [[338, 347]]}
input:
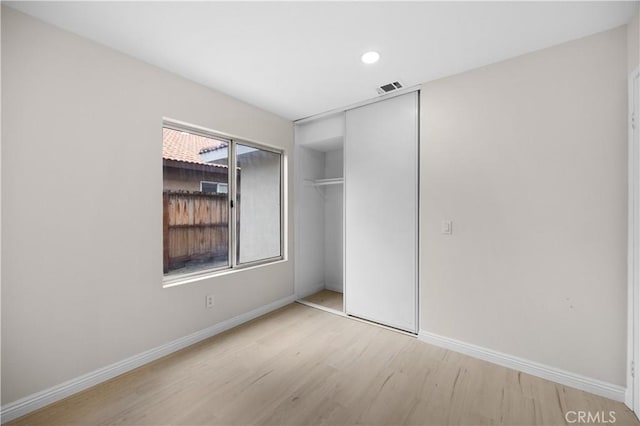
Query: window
{"points": [[214, 187], [213, 219]]}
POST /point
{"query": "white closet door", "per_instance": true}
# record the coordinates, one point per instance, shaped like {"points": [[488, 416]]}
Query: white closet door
{"points": [[381, 212]]}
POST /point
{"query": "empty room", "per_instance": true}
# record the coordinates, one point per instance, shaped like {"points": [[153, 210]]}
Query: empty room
{"points": [[305, 213]]}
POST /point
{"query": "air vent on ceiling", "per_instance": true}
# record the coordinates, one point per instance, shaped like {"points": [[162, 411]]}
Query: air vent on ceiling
{"points": [[386, 88]]}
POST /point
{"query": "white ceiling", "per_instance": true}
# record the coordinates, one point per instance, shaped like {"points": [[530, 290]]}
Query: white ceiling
{"points": [[302, 58]]}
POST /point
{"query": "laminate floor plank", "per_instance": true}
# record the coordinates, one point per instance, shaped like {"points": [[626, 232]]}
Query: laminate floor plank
{"points": [[303, 366]]}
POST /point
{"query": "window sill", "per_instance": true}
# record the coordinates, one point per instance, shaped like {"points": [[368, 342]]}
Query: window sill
{"points": [[180, 280]]}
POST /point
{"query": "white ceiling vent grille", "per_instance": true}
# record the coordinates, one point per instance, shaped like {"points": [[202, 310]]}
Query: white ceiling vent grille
{"points": [[390, 87]]}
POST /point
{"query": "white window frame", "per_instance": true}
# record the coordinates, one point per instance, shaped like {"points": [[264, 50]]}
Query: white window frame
{"points": [[233, 264]]}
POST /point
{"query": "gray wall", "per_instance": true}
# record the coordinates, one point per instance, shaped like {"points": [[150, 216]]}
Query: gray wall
{"points": [[82, 207], [259, 191], [528, 158], [177, 179]]}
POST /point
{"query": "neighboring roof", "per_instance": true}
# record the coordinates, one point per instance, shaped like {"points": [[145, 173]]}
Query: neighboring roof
{"points": [[186, 147], [212, 148]]}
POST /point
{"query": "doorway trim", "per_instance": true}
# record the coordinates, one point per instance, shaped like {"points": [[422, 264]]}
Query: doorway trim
{"points": [[632, 397]]}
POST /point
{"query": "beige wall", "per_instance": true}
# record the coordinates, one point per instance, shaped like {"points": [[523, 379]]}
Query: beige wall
{"points": [[528, 158], [82, 207]]}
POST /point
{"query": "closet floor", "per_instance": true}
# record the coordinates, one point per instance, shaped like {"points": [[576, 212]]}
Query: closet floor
{"points": [[327, 298]]}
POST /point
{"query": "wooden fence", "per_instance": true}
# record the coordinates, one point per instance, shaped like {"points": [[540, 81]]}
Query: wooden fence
{"points": [[195, 227]]}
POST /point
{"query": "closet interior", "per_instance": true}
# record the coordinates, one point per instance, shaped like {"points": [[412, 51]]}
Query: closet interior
{"points": [[319, 209]]}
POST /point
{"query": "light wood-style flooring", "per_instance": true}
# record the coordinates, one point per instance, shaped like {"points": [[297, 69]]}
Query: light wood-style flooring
{"points": [[303, 366], [327, 298]]}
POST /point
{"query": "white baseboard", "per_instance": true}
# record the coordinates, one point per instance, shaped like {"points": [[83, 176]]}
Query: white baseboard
{"points": [[566, 378], [30, 403]]}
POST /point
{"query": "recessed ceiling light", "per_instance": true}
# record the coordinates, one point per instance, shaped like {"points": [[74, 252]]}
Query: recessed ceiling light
{"points": [[370, 57]]}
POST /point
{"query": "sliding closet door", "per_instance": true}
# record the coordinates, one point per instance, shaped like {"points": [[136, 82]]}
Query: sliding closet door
{"points": [[381, 212]]}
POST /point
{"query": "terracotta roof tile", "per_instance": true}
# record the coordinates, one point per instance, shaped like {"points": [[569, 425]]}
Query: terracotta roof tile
{"points": [[186, 147], [212, 148]]}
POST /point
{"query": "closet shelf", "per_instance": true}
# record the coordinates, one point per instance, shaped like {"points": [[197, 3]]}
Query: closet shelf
{"points": [[324, 182]]}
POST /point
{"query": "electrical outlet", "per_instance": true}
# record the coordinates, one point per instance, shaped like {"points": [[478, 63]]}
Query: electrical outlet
{"points": [[209, 301]]}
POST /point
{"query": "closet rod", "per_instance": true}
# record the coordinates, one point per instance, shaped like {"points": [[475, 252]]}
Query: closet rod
{"points": [[324, 182]]}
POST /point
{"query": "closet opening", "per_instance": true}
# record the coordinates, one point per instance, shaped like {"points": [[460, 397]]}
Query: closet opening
{"points": [[320, 213]]}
